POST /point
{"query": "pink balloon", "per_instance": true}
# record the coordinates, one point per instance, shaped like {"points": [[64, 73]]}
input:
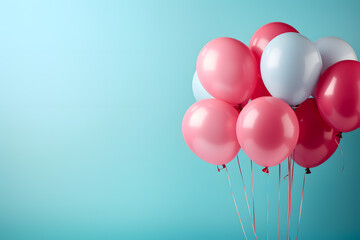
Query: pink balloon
{"points": [[267, 130], [317, 140], [209, 130], [227, 70]]}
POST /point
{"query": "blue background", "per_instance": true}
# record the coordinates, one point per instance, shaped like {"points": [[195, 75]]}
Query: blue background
{"points": [[92, 95]]}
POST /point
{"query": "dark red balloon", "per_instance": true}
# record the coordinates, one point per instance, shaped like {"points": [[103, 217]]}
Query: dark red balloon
{"points": [[338, 95], [257, 44], [317, 140]]}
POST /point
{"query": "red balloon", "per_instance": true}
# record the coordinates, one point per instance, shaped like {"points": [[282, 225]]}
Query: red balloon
{"points": [[257, 44], [260, 90], [265, 34], [209, 130], [267, 130], [227, 70], [317, 140], [338, 95]]}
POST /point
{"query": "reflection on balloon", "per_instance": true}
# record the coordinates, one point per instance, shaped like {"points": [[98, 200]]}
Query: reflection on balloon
{"points": [[338, 95]]}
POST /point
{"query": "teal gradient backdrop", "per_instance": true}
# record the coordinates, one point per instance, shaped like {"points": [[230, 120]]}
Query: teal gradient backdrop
{"points": [[92, 95]]}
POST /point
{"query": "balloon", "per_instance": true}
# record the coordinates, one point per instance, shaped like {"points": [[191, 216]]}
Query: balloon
{"points": [[290, 67], [333, 50], [257, 44], [198, 90], [260, 90], [227, 70], [317, 140], [265, 34], [267, 130], [338, 95], [209, 130]]}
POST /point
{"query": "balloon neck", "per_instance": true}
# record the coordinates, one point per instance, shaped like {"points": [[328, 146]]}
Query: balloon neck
{"points": [[307, 171], [221, 168], [265, 170], [339, 135], [239, 107], [295, 107]]}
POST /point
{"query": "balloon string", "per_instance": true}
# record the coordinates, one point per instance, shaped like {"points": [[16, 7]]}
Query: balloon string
{"points": [[291, 187], [278, 223], [290, 182], [237, 210], [288, 178], [252, 192], [342, 155], [267, 207], [246, 197], [301, 203]]}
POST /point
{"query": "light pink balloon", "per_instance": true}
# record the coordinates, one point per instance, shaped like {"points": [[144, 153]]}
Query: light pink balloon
{"points": [[227, 70], [209, 130], [267, 130]]}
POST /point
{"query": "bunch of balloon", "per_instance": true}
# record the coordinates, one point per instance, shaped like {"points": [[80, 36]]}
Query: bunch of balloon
{"points": [[225, 77], [224, 81], [281, 97]]}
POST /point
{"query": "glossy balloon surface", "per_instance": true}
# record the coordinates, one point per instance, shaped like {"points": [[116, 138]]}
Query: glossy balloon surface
{"points": [[265, 34], [209, 130], [257, 44], [338, 96], [267, 130], [290, 67], [333, 50], [317, 140], [227, 70]]}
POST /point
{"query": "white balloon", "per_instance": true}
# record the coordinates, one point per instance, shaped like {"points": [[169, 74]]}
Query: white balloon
{"points": [[198, 90], [333, 50], [290, 67]]}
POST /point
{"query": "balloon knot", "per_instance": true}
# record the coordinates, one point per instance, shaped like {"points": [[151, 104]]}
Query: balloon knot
{"points": [[307, 171], [239, 107], [286, 176], [339, 135], [265, 170], [222, 167], [295, 107]]}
